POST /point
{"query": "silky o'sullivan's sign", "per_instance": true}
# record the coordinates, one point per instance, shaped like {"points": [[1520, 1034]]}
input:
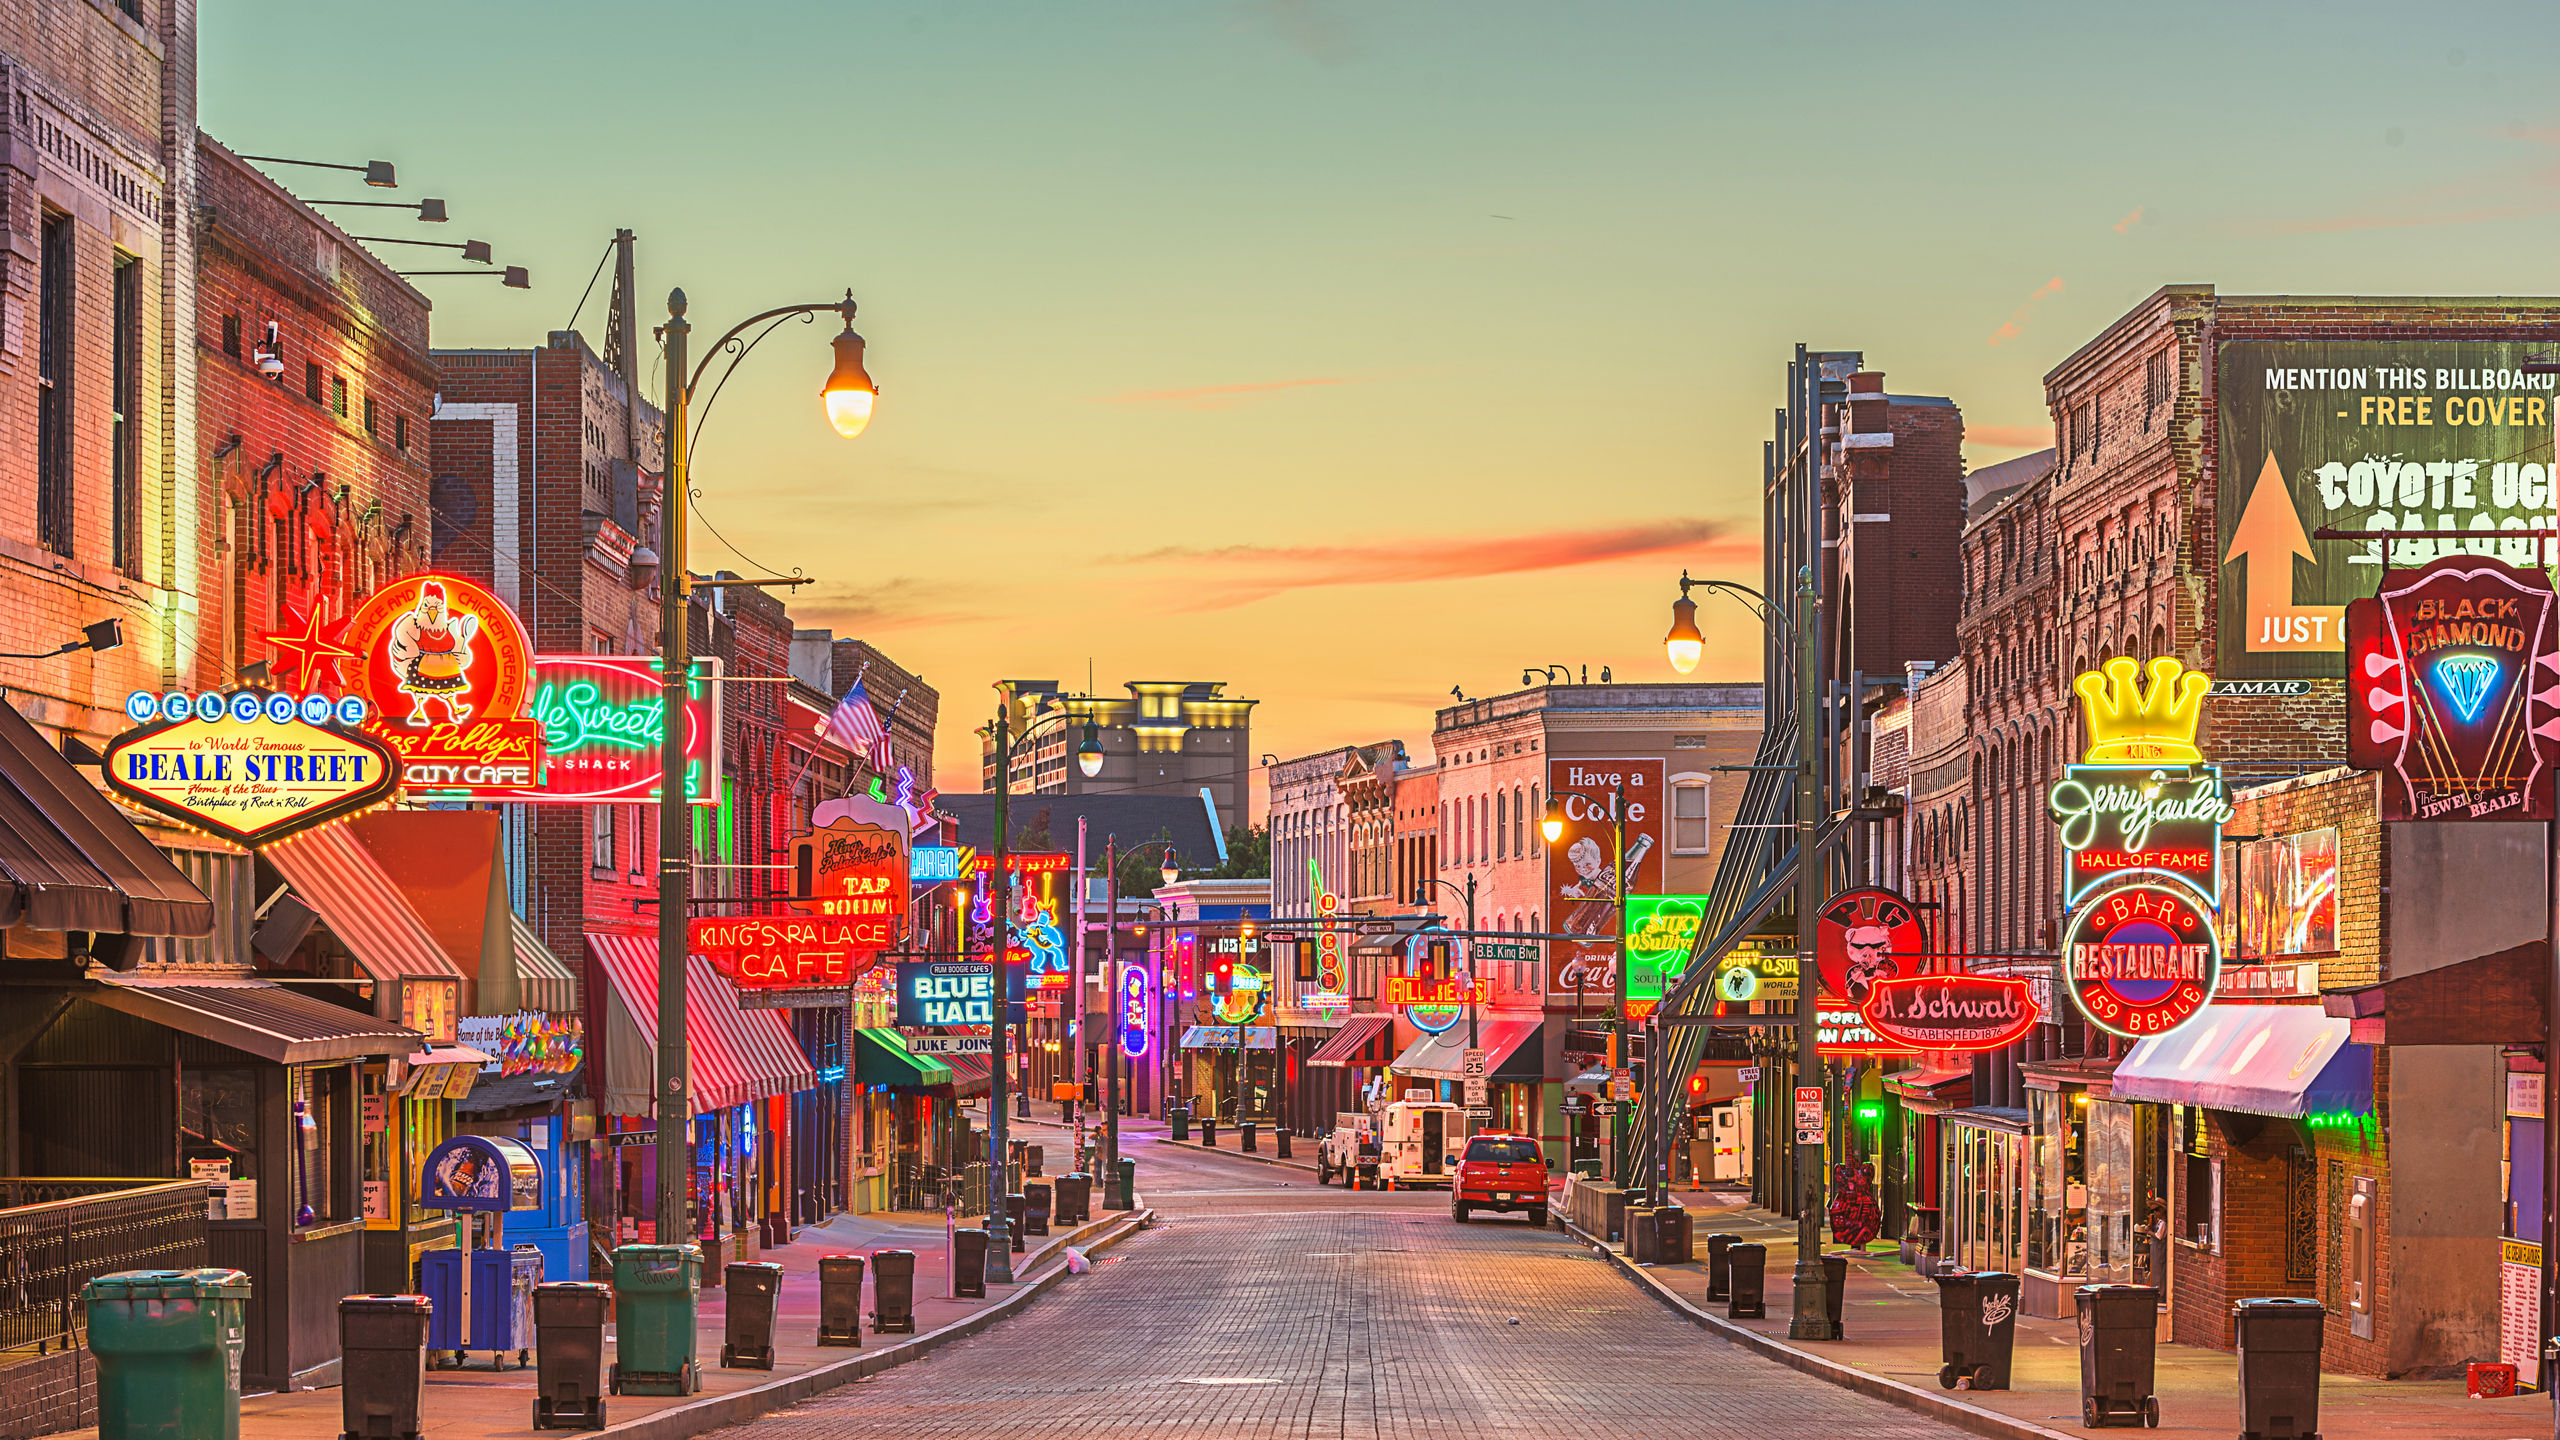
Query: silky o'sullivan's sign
{"points": [[250, 767]]}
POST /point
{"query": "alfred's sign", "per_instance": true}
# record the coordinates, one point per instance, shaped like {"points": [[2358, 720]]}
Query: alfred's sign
{"points": [[2141, 959], [1950, 1012], [2448, 670]]}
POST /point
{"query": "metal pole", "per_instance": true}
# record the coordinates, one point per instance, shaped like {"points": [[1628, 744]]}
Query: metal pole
{"points": [[1083, 1035], [1472, 1041], [1000, 910], [1811, 1320], [1111, 1046], [1619, 1112], [675, 836]]}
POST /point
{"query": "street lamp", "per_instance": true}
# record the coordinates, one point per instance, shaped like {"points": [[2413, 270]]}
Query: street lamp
{"points": [[1089, 759], [849, 392], [675, 665], [1685, 642], [1172, 871]]}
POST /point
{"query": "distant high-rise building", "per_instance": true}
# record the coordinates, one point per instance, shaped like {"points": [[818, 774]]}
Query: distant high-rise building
{"points": [[1165, 737]]}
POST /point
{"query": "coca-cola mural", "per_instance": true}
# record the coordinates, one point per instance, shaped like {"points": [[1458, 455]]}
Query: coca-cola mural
{"points": [[1586, 875]]}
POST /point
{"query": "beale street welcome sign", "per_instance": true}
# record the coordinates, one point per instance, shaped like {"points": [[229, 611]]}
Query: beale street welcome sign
{"points": [[2451, 694]]}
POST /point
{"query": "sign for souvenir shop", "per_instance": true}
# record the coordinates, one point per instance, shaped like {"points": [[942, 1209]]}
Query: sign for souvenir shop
{"points": [[856, 873], [1863, 936], [603, 718], [2453, 691], [252, 766], [950, 992], [529, 1042], [765, 952], [2365, 435], [1661, 932], [480, 1173], [1950, 1012], [1136, 1017], [1586, 872], [446, 667], [2141, 959]]}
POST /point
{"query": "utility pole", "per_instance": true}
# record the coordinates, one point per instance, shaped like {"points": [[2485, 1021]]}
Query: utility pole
{"points": [[675, 817], [1811, 1320], [1111, 1045], [1000, 912]]}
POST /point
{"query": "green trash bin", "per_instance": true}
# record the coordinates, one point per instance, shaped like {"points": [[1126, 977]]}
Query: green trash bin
{"points": [[656, 1291], [1122, 1187], [168, 1347]]}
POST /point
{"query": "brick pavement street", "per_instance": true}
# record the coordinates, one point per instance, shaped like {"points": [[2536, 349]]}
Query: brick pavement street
{"points": [[1263, 1305]]}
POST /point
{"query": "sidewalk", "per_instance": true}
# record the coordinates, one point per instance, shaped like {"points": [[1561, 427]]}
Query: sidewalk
{"points": [[1892, 1352], [1230, 1141], [480, 1402]]}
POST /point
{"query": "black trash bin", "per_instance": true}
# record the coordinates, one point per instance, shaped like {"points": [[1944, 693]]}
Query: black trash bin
{"points": [[384, 1341], [1014, 1207], [1280, 1137], [1248, 1130], [840, 1300], [1746, 1266], [1074, 1202], [1677, 1235], [2118, 1325], [1032, 1157], [568, 1346], [1209, 1130], [969, 1264], [1719, 1267], [2279, 1343], [1978, 1328], [1835, 1293], [754, 1290], [1614, 1202], [1180, 1118], [893, 1292], [1038, 1202]]}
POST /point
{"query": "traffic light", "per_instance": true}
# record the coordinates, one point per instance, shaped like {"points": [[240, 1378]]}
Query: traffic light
{"points": [[1697, 1086], [1439, 961]]}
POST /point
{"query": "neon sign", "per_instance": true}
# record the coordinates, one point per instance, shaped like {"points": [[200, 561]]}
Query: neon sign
{"points": [[1864, 936], [2125, 820], [1438, 994], [931, 864], [767, 952], [445, 665], [1661, 930], [857, 874], [602, 718], [2447, 693], [1950, 1012], [1134, 1028], [1243, 997], [950, 992], [250, 767], [2141, 959], [2131, 725]]}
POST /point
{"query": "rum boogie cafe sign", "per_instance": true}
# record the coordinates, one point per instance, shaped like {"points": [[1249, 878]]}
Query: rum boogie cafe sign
{"points": [[250, 767], [1950, 1012], [2141, 959]]}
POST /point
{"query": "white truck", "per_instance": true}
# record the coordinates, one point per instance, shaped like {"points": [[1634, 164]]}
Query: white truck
{"points": [[1418, 1143], [1349, 1151]]}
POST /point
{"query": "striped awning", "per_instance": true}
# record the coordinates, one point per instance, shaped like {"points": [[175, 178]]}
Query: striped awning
{"points": [[542, 981], [970, 1074], [1362, 1040], [361, 905], [735, 1055]]}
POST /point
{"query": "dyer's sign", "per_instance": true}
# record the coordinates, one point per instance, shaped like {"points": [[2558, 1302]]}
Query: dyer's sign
{"points": [[250, 767], [2450, 691]]}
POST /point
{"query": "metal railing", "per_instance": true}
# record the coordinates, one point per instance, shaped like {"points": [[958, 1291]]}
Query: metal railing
{"points": [[914, 1185], [56, 1235]]}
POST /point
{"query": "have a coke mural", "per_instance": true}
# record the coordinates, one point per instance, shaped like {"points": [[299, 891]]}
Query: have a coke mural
{"points": [[1585, 873]]}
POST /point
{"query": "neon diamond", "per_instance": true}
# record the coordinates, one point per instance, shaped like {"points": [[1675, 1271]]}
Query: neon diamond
{"points": [[2467, 681]]}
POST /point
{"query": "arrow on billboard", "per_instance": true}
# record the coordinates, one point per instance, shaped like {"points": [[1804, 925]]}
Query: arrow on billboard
{"points": [[2270, 536]]}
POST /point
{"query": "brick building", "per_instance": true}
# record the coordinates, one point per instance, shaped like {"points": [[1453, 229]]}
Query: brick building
{"points": [[1165, 737], [1894, 493], [908, 706]]}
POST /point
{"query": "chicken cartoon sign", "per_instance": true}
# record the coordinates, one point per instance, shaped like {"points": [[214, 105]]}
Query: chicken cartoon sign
{"points": [[446, 667]]}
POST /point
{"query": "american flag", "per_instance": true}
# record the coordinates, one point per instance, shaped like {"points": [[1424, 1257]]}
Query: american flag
{"points": [[856, 726]]}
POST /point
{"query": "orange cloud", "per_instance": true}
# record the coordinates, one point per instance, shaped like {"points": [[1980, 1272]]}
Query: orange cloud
{"points": [[2017, 321], [1217, 397], [2008, 437], [1246, 573], [2129, 221]]}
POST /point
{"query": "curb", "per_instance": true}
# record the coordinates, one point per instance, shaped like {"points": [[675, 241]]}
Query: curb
{"points": [[738, 1407], [1195, 1145], [1989, 1423]]}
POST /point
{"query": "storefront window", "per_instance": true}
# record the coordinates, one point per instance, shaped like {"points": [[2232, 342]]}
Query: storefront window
{"points": [[2113, 1254], [218, 1124], [1985, 1214], [425, 1131], [2059, 1202], [318, 1098]]}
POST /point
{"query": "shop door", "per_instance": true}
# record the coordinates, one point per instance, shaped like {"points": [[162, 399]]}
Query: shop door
{"points": [[2111, 1225]]}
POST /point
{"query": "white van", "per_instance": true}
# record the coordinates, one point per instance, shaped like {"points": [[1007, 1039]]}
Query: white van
{"points": [[1418, 1143]]}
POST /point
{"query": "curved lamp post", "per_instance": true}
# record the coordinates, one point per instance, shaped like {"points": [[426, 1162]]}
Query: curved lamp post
{"points": [[848, 394], [1110, 962]]}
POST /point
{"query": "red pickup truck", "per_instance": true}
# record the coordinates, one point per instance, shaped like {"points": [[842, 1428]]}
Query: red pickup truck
{"points": [[1500, 1172]]}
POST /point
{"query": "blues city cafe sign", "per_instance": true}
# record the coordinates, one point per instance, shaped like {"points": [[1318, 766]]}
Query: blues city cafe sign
{"points": [[445, 666], [2140, 959], [250, 767], [2453, 691]]}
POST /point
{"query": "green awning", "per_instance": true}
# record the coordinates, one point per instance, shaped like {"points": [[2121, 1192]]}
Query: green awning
{"points": [[883, 1058]]}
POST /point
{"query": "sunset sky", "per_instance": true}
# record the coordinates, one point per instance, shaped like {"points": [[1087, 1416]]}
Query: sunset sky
{"points": [[1348, 352]]}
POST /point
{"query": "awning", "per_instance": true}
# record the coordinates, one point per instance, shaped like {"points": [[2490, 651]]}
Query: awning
{"points": [[2281, 1060], [736, 1055], [366, 911], [451, 1055], [495, 1093], [1223, 1037], [1945, 1085], [69, 860], [1362, 1040], [544, 983], [1391, 942], [2495, 999], [273, 1022], [882, 1058], [970, 1074], [1594, 1081], [1438, 1057]]}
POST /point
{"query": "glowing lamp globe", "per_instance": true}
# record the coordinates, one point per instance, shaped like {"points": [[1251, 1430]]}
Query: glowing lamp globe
{"points": [[1685, 643], [849, 392]]}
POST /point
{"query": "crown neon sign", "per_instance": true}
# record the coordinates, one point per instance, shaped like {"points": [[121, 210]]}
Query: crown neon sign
{"points": [[2131, 725]]}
